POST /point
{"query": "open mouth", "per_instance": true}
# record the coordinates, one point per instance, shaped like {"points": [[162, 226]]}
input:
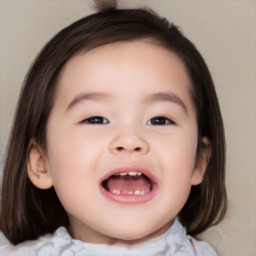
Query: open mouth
{"points": [[133, 186], [129, 183]]}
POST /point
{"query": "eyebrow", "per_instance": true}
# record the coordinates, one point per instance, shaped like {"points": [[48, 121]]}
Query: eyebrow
{"points": [[169, 97], [92, 96], [155, 97]]}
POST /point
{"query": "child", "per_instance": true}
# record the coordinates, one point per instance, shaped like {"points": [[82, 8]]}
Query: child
{"points": [[117, 146]]}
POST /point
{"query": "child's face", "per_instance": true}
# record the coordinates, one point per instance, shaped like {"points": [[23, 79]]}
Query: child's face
{"points": [[144, 121]]}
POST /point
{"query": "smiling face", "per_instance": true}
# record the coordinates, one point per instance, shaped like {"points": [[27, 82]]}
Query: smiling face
{"points": [[122, 142]]}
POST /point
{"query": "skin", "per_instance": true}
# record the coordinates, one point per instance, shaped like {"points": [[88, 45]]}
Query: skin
{"points": [[79, 154]]}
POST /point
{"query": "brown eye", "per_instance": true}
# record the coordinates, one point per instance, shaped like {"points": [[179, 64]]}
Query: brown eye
{"points": [[160, 120], [95, 120]]}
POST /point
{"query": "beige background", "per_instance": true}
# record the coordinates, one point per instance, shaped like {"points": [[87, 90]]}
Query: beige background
{"points": [[224, 32]]}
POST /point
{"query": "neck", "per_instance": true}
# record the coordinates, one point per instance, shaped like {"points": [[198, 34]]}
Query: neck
{"points": [[93, 237]]}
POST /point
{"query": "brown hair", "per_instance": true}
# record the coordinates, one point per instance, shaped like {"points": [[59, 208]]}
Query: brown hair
{"points": [[27, 212]]}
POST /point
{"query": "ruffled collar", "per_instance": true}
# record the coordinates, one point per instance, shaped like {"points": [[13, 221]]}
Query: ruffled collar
{"points": [[174, 242]]}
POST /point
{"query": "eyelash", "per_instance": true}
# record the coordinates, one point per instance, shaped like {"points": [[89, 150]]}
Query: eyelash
{"points": [[95, 120], [158, 120], [161, 120]]}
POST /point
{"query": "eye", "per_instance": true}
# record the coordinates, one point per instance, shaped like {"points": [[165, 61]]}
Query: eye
{"points": [[95, 120], [160, 120]]}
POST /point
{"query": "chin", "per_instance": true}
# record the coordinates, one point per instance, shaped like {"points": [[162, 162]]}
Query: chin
{"points": [[130, 236]]}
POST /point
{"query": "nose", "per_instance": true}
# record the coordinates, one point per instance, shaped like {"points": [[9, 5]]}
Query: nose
{"points": [[129, 142]]}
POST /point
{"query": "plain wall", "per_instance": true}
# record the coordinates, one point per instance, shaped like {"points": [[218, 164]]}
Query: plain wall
{"points": [[224, 31]]}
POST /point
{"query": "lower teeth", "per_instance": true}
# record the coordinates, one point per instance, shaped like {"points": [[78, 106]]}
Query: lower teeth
{"points": [[137, 192]]}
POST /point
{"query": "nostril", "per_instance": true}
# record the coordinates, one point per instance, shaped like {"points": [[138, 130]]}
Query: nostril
{"points": [[138, 149]]}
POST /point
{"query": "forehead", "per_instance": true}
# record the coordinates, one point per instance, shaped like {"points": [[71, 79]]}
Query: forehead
{"points": [[139, 64], [144, 53]]}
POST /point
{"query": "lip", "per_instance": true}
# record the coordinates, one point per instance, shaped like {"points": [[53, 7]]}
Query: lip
{"points": [[124, 198]]}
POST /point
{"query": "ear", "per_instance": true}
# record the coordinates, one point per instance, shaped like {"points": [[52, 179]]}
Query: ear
{"points": [[202, 161], [37, 167]]}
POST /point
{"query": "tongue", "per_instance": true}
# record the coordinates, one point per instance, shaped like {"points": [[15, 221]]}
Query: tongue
{"points": [[128, 183]]}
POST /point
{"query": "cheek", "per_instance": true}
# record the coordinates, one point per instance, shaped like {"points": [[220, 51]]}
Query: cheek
{"points": [[69, 149], [177, 151], [72, 162], [72, 178], [177, 157]]}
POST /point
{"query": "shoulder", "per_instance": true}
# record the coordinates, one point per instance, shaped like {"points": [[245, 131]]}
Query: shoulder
{"points": [[183, 244], [202, 248], [49, 244], [26, 248]]}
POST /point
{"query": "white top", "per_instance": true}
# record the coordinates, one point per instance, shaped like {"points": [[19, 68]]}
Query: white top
{"points": [[174, 242]]}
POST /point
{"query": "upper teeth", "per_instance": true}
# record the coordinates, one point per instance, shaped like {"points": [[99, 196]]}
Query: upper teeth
{"points": [[129, 173]]}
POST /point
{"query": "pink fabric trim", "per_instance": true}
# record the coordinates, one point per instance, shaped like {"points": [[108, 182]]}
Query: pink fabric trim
{"points": [[193, 245]]}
